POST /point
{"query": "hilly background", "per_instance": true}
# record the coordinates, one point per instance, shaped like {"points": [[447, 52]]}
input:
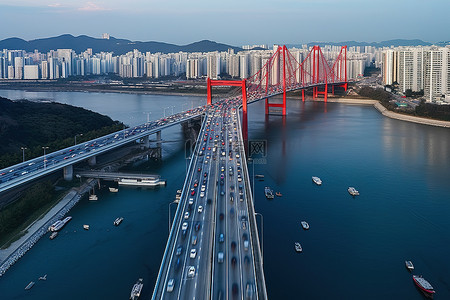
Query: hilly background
{"points": [[122, 46]]}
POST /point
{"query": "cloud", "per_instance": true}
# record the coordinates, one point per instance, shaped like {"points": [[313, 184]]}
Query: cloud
{"points": [[91, 6], [55, 5]]}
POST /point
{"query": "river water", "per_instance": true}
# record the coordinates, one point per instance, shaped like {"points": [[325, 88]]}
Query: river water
{"points": [[355, 247]]}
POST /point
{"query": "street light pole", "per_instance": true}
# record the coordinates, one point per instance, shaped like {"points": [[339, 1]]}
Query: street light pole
{"points": [[170, 214], [78, 134], [262, 236], [23, 153], [45, 161]]}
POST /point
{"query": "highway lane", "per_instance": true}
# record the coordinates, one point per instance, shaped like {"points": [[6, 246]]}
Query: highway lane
{"points": [[52, 161], [224, 267]]}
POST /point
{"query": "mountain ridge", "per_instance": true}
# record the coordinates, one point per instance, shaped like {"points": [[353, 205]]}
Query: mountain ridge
{"points": [[118, 46]]}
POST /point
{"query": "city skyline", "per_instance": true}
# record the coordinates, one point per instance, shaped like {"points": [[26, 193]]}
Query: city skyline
{"points": [[259, 22]]}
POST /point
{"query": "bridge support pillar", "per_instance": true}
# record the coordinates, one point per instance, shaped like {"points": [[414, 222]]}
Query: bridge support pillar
{"points": [[303, 95], [68, 173], [146, 141], [158, 139], [92, 161]]}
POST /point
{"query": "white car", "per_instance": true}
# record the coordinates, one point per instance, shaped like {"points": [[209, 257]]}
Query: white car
{"points": [[202, 194], [184, 226], [200, 209], [193, 253], [191, 271], [203, 188], [170, 285], [186, 215]]}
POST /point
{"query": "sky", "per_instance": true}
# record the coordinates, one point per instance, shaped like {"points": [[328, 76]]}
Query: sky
{"points": [[233, 22]]}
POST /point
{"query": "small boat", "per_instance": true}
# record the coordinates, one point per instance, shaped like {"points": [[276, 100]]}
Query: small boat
{"points": [[352, 191], [93, 197], [409, 265], [298, 247], [305, 225], [278, 194], [317, 180], [113, 190], [43, 277], [137, 288], [259, 176], [117, 221], [268, 192], [53, 235], [86, 227], [424, 285], [30, 285]]}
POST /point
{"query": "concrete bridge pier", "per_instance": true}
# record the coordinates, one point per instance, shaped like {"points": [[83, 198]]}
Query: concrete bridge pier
{"points": [[146, 141], [158, 139], [92, 161], [68, 173]]}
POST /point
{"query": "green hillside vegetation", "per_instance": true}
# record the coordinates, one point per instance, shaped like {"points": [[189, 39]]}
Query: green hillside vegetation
{"points": [[54, 125]]}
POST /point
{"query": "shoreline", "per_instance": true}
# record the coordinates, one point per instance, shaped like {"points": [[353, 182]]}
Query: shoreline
{"points": [[346, 100], [39, 228], [390, 114]]}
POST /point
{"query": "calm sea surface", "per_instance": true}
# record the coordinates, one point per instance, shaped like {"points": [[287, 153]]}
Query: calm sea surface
{"points": [[355, 248]]}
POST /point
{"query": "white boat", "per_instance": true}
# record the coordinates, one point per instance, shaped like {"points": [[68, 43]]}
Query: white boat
{"points": [[137, 288], [43, 277], [352, 191], [53, 235], [298, 247], [317, 180], [424, 285], [409, 265], [305, 225], [117, 221], [30, 285], [93, 197], [86, 227], [113, 190], [59, 224]]}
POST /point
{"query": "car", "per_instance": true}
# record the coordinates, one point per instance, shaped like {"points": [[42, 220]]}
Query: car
{"points": [[249, 291], [205, 175], [179, 251], [233, 261], [191, 201], [193, 253], [197, 227], [203, 188], [233, 246], [221, 238], [186, 215], [194, 240], [199, 169], [184, 226], [246, 244], [191, 271], [222, 192], [220, 256], [192, 192], [177, 264], [170, 285], [244, 225], [232, 212], [200, 209], [202, 194]]}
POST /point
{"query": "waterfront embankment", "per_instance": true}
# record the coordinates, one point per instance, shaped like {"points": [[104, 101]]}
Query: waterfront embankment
{"points": [[390, 114], [39, 228]]}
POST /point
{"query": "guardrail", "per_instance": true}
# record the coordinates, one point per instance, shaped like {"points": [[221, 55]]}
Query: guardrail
{"points": [[177, 217], [257, 259], [50, 168]]}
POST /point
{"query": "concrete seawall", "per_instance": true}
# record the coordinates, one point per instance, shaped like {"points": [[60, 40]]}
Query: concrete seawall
{"points": [[390, 114]]}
